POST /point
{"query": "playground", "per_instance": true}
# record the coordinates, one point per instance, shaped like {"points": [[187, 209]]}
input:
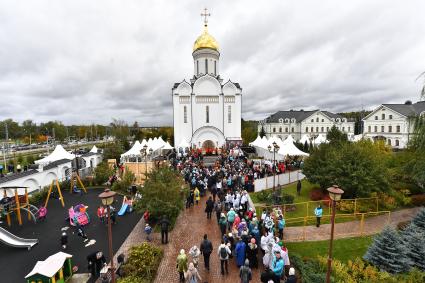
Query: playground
{"points": [[18, 262]]}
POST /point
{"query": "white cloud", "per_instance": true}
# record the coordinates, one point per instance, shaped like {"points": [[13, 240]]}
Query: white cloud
{"points": [[89, 61]]}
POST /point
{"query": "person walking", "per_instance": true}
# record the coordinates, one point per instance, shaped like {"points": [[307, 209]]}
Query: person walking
{"points": [[318, 211], [192, 274], [206, 250], [197, 195], [245, 273], [165, 223], [64, 240], [209, 207], [251, 253], [223, 253], [240, 251], [195, 253], [299, 188], [223, 224], [182, 264], [231, 218], [217, 209], [277, 266], [291, 278], [148, 232], [280, 225]]}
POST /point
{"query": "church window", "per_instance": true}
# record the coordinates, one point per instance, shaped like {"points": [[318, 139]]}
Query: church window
{"points": [[280, 129], [382, 129], [274, 130], [383, 116], [390, 129], [292, 129], [229, 114], [376, 117], [317, 119], [390, 117], [397, 143], [306, 129], [206, 66], [317, 129], [185, 114], [197, 67], [207, 112], [312, 120], [286, 129], [312, 129], [322, 129], [398, 128], [215, 68]]}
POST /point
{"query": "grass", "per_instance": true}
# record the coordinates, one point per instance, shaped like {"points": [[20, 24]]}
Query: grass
{"points": [[343, 249]]}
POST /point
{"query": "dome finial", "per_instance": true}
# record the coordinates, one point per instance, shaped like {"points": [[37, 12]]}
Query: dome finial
{"points": [[205, 15]]}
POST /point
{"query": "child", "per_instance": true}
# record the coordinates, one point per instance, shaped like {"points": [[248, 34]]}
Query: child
{"points": [[42, 212], [148, 231], [64, 240], [81, 233], [101, 213]]}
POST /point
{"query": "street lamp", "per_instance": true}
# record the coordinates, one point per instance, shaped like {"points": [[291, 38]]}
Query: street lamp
{"points": [[274, 149], [107, 198], [335, 193]]}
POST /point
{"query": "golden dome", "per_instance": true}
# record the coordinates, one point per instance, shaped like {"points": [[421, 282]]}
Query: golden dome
{"points": [[205, 40]]}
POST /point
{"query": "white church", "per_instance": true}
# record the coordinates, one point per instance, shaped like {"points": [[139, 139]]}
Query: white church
{"points": [[207, 112]]}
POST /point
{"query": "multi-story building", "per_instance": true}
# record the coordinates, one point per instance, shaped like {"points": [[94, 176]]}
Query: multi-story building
{"points": [[300, 122], [392, 123]]}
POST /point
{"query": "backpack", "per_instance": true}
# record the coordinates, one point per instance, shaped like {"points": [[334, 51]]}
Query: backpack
{"points": [[223, 252], [245, 274]]}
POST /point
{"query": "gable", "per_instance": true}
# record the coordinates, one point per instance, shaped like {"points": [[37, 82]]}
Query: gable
{"points": [[184, 89], [206, 86], [383, 109]]}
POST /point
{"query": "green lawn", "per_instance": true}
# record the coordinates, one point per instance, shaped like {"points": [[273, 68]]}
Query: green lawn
{"points": [[343, 250]]}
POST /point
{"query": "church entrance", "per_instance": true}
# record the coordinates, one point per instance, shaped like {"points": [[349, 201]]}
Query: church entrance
{"points": [[208, 145]]}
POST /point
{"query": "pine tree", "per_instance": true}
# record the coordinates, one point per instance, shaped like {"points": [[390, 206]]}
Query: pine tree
{"points": [[387, 252], [419, 220], [413, 240]]}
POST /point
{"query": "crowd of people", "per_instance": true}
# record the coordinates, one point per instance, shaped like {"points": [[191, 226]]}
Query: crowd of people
{"points": [[250, 241]]}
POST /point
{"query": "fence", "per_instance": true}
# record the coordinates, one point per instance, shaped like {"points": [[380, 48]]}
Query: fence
{"points": [[280, 179]]}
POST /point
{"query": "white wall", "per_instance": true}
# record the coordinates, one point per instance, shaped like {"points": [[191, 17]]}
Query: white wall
{"points": [[280, 179]]}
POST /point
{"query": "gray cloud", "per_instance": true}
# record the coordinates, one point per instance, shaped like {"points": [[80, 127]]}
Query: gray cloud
{"points": [[89, 62]]}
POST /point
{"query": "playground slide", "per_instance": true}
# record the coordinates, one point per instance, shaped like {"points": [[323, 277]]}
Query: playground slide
{"points": [[123, 209], [14, 241]]}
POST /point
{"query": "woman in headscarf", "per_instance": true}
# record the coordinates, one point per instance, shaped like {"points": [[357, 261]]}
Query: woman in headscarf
{"points": [[192, 274], [182, 264], [251, 253]]}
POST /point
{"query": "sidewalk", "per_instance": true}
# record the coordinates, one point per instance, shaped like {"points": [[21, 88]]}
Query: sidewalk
{"points": [[372, 225], [190, 228]]}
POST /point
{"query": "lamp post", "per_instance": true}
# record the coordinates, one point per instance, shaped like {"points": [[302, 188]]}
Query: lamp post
{"points": [[335, 194], [107, 198], [274, 149]]}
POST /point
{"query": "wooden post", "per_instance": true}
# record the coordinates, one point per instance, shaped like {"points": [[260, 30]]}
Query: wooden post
{"points": [[377, 204], [389, 217], [307, 208], [305, 224], [18, 207], [81, 183], [355, 206], [284, 210], [48, 195], [60, 193], [27, 203]]}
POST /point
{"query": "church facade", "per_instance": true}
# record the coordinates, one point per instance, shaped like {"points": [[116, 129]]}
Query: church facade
{"points": [[207, 109]]}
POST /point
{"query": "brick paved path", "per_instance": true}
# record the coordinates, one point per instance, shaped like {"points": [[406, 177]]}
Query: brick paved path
{"points": [[372, 225], [190, 228]]}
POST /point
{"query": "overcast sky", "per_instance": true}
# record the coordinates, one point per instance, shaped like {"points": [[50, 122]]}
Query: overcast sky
{"points": [[91, 61]]}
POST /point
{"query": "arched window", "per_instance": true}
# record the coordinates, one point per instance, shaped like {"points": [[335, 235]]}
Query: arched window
{"points": [[215, 68], [197, 67], [312, 129], [397, 143], [207, 112], [306, 129], [280, 129], [184, 114], [322, 129], [206, 66], [229, 114]]}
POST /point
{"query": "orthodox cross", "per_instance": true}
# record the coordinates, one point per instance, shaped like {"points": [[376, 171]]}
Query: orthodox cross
{"points": [[205, 15]]}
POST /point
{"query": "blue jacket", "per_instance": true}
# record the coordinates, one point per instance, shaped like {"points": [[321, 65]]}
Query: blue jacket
{"points": [[281, 223], [277, 266], [240, 253], [318, 211]]}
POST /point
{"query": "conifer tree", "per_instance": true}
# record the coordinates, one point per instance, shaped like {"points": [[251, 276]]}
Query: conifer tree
{"points": [[387, 252], [419, 220], [413, 240]]}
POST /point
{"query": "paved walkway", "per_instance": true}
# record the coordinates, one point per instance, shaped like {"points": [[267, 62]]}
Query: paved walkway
{"points": [[372, 225], [191, 225]]}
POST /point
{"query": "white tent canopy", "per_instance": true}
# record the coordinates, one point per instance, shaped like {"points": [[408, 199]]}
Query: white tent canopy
{"points": [[183, 144], [257, 142], [57, 154], [134, 150], [320, 139], [167, 146], [288, 148], [94, 149], [305, 138]]}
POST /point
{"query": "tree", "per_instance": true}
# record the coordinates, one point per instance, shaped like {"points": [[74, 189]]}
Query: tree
{"points": [[249, 131], [387, 252], [306, 147], [102, 173], [336, 136], [419, 220], [413, 237], [262, 132], [163, 194], [358, 168], [113, 151]]}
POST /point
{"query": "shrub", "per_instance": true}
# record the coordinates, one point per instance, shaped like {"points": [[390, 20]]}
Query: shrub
{"points": [[126, 181], [287, 199], [102, 173], [142, 263], [263, 196], [316, 194], [346, 206], [402, 225], [418, 200]]}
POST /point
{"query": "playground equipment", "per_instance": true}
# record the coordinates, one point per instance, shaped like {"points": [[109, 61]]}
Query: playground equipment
{"points": [[78, 214], [14, 241], [15, 204], [56, 268], [74, 178], [127, 206], [50, 191]]}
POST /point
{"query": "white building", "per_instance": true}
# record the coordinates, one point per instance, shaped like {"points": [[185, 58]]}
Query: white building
{"points": [[207, 112], [300, 122], [390, 122]]}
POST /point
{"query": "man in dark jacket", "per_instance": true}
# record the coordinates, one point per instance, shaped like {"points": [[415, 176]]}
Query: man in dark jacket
{"points": [[206, 250], [96, 261], [209, 207], [165, 223], [298, 187], [267, 275]]}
